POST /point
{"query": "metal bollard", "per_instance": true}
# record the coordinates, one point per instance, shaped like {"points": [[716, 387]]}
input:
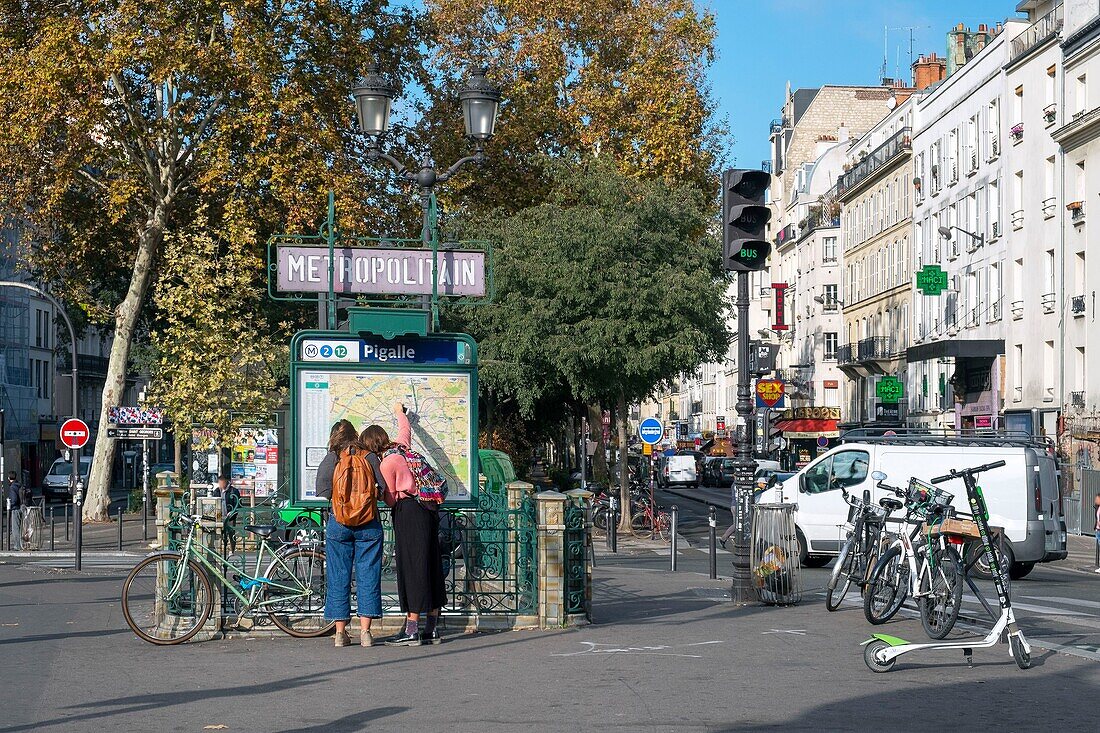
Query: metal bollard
{"points": [[120, 529], [675, 521], [3, 526], [66, 522], [613, 525], [713, 522], [53, 528], [144, 523]]}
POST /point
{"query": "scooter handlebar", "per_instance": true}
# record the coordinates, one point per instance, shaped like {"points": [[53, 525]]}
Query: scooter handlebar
{"points": [[959, 474]]}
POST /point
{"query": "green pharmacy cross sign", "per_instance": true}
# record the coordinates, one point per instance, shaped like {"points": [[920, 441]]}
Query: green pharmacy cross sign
{"points": [[890, 390], [931, 280]]}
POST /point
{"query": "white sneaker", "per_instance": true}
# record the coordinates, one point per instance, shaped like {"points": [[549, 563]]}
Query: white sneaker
{"points": [[1097, 570], [342, 639], [366, 638]]}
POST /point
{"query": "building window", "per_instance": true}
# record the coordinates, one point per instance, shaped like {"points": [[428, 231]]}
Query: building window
{"points": [[953, 156], [993, 129], [993, 296], [830, 297], [830, 345], [828, 255], [994, 209]]}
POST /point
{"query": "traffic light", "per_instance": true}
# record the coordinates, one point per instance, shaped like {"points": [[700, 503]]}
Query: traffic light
{"points": [[744, 218]]}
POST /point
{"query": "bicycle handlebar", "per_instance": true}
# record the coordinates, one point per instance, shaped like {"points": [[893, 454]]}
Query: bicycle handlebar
{"points": [[967, 471]]}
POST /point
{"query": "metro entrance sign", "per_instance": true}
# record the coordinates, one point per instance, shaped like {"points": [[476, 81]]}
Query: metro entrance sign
{"points": [[651, 431], [75, 433]]}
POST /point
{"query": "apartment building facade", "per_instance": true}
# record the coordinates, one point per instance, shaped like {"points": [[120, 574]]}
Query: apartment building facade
{"points": [[961, 212]]}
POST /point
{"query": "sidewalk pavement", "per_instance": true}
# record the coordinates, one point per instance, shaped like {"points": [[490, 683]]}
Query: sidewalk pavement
{"points": [[666, 652]]}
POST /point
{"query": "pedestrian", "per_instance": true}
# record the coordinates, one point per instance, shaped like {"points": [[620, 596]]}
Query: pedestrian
{"points": [[353, 535], [420, 584], [1096, 504], [231, 503], [14, 496]]}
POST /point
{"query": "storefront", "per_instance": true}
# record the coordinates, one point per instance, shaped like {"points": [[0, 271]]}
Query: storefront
{"points": [[806, 433]]}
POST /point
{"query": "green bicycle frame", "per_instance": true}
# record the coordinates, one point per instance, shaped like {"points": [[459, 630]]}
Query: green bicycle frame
{"points": [[211, 560]]}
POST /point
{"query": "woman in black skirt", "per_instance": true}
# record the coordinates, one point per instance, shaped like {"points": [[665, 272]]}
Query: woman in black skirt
{"points": [[420, 584]]}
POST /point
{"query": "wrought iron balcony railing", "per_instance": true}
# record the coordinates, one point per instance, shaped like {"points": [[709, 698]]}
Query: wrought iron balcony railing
{"points": [[1077, 306], [901, 142], [1039, 31]]}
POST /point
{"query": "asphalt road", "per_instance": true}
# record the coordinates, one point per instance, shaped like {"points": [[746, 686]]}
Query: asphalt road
{"points": [[666, 652]]}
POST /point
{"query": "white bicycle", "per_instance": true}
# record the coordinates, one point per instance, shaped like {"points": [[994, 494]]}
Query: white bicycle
{"points": [[921, 563]]}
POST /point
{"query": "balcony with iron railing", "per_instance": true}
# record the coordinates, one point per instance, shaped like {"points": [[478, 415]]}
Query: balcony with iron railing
{"points": [[1049, 300], [1076, 212], [845, 354], [1050, 207], [1050, 114], [1017, 308], [898, 144], [1038, 32], [876, 348], [1077, 399]]}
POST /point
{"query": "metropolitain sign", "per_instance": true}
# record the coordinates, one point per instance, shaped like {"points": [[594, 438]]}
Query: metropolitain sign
{"points": [[380, 271]]}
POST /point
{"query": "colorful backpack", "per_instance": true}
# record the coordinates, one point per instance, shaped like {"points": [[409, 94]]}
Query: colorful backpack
{"points": [[430, 484]]}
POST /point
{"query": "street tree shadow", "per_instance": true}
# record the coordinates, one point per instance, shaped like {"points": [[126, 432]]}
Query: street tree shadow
{"points": [[349, 723]]}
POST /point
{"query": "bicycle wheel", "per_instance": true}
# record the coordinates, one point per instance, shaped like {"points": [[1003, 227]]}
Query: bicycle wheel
{"points": [[887, 587], [664, 526], [296, 603], [841, 579], [165, 599], [641, 525], [599, 518], [939, 609]]}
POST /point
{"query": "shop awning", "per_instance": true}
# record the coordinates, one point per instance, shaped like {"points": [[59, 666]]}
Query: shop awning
{"points": [[807, 428]]}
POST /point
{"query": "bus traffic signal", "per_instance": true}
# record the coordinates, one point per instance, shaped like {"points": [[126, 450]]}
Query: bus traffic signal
{"points": [[744, 219]]}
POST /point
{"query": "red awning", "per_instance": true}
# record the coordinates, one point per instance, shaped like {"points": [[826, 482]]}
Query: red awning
{"points": [[807, 428]]}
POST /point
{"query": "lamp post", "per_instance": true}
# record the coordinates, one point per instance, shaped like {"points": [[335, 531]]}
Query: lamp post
{"points": [[480, 102], [945, 232]]}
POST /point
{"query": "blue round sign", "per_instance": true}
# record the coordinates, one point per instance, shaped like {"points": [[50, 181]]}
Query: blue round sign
{"points": [[651, 431]]}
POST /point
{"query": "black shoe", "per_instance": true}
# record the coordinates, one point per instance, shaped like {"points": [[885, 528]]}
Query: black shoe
{"points": [[402, 638], [431, 637]]}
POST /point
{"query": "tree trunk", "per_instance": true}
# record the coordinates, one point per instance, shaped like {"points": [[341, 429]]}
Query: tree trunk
{"points": [[98, 498], [595, 435], [624, 466], [177, 460]]}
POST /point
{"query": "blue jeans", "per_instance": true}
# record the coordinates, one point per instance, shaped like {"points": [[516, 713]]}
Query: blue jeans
{"points": [[361, 548]]}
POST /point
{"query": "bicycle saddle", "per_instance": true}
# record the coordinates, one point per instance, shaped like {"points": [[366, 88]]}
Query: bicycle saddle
{"points": [[889, 504], [263, 530]]}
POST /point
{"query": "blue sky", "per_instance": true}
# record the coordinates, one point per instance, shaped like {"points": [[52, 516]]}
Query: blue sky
{"points": [[762, 44]]}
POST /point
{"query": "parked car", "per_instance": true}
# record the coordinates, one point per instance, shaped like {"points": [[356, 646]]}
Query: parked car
{"points": [[1022, 497], [711, 468], [56, 482]]}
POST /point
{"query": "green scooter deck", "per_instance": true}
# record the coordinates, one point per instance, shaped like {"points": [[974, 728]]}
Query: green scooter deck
{"points": [[891, 640]]}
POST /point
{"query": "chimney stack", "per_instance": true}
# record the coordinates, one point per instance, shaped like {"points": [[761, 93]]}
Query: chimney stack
{"points": [[927, 70]]}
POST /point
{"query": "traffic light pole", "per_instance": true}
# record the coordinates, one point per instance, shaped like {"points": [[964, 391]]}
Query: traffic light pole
{"points": [[742, 591]]}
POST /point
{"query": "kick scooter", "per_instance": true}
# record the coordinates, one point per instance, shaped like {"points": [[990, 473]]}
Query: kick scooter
{"points": [[882, 650]]}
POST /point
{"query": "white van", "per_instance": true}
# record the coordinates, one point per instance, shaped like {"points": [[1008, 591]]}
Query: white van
{"points": [[681, 470], [1022, 496]]}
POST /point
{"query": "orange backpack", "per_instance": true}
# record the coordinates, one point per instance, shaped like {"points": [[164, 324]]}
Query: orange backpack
{"points": [[354, 490]]}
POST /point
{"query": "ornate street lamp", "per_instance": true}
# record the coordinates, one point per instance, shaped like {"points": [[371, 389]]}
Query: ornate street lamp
{"points": [[480, 102]]}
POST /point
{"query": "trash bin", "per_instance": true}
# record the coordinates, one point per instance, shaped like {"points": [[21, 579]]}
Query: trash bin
{"points": [[776, 572]]}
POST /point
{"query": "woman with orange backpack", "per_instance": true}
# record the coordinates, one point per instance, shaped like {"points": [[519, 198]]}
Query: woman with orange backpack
{"points": [[420, 584], [353, 536]]}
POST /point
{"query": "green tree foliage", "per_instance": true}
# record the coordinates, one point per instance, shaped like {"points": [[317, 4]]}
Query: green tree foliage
{"points": [[119, 119], [619, 80], [609, 288], [214, 364]]}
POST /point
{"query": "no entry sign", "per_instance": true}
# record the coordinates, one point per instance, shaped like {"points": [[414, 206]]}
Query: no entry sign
{"points": [[75, 433]]}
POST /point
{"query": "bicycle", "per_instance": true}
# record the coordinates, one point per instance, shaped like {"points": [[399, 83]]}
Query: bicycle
{"points": [[651, 521], [862, 547], [928, 568], [168, 596]]}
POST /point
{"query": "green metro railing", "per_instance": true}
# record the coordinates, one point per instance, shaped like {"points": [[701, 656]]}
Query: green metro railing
{"points": [[488, 551]]}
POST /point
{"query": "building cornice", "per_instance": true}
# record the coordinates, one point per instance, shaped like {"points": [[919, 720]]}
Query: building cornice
{"points": [[1078, 131]]}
